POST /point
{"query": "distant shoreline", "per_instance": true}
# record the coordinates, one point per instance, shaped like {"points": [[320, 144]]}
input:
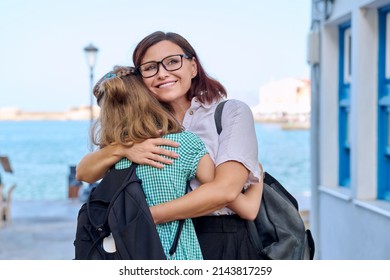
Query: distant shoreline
{"points": [[285, 124], [77, 113], [84, 113]]}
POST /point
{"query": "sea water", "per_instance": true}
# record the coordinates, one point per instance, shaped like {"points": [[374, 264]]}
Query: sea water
{"points": [[42, 152], [285, 154]]}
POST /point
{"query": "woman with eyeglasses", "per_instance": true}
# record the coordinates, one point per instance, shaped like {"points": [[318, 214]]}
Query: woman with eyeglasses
{"points": [[171, 69]]}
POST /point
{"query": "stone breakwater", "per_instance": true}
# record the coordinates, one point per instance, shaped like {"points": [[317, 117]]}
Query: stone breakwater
{"points": [[79, 113]]}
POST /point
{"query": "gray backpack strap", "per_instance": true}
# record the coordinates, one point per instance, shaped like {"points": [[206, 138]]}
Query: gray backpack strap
{"points": [[218, 116]]}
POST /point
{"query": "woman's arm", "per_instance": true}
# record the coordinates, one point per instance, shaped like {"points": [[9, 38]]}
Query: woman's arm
{"points": [[247, 204], [229, 178], [206, 169], [94, 165]]}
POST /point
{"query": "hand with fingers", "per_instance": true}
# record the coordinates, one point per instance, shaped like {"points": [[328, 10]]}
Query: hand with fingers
{"points": [[150, 152]]}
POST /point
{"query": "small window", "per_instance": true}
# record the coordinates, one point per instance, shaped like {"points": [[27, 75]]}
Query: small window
{"points": [[347, 55]]}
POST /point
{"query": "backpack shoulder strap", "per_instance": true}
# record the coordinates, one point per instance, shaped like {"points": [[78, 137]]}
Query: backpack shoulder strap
{"points": [[179, 228], [218, 116]]}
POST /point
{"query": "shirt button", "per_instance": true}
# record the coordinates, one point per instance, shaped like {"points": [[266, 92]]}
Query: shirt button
{"points": [[191, 112]]}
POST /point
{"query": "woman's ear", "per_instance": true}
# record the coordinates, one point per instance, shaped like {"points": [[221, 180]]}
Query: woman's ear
{"points": [[194, 67]]}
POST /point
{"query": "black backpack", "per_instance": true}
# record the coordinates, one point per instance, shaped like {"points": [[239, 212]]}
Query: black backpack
{"points": [[278, 231], [116, 208]]}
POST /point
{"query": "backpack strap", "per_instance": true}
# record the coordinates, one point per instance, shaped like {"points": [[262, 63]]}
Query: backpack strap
{"points": [[218, 116], [172, 251], [179, 229]]}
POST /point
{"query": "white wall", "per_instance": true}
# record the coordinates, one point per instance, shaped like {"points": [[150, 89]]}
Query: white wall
{"points": [[351, 223]]}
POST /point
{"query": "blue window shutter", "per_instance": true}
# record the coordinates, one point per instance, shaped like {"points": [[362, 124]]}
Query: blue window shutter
{"points": [[383, 108], [344, 103]]}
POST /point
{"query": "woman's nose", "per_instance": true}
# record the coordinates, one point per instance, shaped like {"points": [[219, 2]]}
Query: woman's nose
{"points": [[162, 72]]}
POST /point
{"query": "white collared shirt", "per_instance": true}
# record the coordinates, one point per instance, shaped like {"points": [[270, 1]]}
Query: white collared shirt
{"points": [[236, 142]]}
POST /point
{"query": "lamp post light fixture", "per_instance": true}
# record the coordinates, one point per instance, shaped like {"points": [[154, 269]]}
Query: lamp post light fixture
{"points": [[91, 52], [323, 8]]}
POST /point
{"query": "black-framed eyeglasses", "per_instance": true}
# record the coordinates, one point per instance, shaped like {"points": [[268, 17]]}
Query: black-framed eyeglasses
{"points": [[170, 63]]}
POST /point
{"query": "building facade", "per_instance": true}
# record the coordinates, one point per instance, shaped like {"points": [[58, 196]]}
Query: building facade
{"points": [[287, 99], [349, 54]]}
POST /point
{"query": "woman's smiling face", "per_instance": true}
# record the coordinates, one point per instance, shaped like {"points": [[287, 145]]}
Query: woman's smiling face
{"points": [[169, 86]]}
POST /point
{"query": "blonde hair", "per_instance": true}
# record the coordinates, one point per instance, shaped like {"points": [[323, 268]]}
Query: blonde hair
{"points": [[129, 112]]}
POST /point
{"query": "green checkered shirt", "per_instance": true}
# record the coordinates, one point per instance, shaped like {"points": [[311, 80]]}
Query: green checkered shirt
{"points": [[162, 185]]}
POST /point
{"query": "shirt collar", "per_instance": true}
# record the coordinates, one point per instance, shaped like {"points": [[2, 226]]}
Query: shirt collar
{"points": [[195, 103]]}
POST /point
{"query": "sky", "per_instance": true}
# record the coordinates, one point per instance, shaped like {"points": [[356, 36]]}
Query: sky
{"points": [[242, 43]]}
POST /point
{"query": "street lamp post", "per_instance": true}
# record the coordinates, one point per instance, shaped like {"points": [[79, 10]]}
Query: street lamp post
{"points": [[91, 52]]}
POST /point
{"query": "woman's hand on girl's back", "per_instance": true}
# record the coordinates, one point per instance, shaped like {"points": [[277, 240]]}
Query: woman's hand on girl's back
{"points": [[150, 152], [94, 165]]}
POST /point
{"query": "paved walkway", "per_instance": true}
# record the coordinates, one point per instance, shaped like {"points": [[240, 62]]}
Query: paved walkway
{"points": [[40, 230], [45, 230]]}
